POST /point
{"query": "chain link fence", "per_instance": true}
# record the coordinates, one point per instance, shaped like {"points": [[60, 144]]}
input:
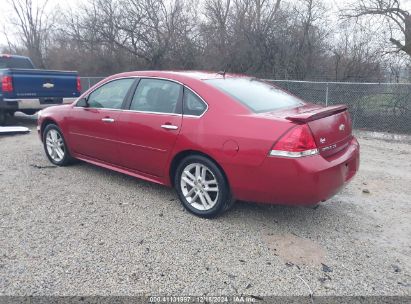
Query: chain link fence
{"points": [[373, 106], [384, 107]]}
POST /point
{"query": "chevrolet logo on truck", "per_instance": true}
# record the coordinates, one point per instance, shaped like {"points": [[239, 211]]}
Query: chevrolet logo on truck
{"points": [[48, 85]]}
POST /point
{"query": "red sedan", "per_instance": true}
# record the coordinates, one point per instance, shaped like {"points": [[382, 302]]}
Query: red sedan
{"points": [[216, 138]]}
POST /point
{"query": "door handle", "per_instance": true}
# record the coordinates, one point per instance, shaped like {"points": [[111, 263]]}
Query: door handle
{"points": [[108, 120], [169, 127]]}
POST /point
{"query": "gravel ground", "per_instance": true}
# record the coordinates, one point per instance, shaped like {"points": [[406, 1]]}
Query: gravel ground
{"points": [[83, 230]]}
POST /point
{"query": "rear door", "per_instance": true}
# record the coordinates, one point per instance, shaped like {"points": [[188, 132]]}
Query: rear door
{"points": [[149, 129], [93, 128]]}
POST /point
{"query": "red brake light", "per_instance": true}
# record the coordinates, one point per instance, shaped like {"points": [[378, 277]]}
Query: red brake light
{"points": [[297, 142], [78, 85], [7, 84]]}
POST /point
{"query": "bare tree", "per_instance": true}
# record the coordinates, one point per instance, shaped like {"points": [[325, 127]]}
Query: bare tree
{"points": [[34, 27], [250, 29], [311, 32], [390, 11], [266, 38], [355, 57], [155, 30], [215, 32]]}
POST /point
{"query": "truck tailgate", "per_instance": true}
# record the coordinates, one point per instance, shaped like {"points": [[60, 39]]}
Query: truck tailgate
{"points": [[44, 83]]}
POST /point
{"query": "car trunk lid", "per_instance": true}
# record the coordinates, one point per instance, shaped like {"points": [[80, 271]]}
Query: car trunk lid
{"points": [[330, 126]]}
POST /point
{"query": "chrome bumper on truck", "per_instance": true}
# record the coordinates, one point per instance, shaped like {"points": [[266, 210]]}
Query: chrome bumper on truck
{"points": [[32, 104]]}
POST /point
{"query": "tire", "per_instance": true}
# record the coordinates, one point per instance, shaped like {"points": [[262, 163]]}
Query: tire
{"points": [[55, 146], [202, 187], [29, 112], [2, 117], [230, 204]]}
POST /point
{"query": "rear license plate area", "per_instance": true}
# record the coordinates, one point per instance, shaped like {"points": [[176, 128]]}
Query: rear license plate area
{"points": [[51, 100]]}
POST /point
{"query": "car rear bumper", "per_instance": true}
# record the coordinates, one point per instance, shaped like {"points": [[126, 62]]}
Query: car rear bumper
{"points": [[31, 104], [304, 181]]}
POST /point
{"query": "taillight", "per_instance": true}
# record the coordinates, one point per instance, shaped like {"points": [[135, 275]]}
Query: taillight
{"points": [[7, 84], [78, 86], [297, 142]]}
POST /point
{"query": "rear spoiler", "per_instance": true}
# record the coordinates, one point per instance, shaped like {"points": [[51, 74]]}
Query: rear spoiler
{"points": [[317, 113]]}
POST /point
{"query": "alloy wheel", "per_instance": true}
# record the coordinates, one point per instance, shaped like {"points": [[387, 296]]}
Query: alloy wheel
{"points": [[199, 186], [55, 145]]}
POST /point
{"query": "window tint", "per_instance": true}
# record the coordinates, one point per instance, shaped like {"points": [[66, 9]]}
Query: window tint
{"points": [[15, 63], [193, 105], [255, 94], [156, 95], [110, 95]]}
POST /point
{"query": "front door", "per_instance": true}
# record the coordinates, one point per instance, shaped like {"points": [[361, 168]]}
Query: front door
{"points": [[93, 127], [148, 131]]}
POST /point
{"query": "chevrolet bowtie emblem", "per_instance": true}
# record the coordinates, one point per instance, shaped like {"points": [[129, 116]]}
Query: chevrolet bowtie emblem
{"points": [[48, 85], [322, 140]]}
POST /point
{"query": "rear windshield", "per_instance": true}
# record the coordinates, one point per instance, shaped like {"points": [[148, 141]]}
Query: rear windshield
{"points": [[15, 63], [257, 95]]}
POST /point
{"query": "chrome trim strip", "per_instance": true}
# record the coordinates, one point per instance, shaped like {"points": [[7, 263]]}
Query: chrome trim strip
{"points": [[129, 77], [150, 112], [134, 111], [289, 154], [195, 93]]}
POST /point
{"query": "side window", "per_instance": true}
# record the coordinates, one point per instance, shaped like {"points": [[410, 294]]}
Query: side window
{"points": [[156, 95], [193, 105], [110, 95]]}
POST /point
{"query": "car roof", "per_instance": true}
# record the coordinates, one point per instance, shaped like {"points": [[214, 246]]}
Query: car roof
{"points": [[180, 75]]}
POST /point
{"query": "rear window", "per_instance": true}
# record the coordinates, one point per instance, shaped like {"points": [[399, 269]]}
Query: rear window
{"points": [[15, 63], [257, 95]]}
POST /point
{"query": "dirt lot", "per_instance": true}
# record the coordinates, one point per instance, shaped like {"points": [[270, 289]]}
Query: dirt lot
{"points": [[83, 230]]}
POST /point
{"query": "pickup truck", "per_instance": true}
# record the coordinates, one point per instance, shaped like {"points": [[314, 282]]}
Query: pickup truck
{"points": [[26, 89]]}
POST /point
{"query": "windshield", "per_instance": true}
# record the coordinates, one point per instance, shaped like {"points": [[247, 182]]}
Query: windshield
{"points": [[257, 95], [15, 63]]}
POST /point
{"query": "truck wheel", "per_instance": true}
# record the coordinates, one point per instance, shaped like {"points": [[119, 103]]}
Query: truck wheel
{"points": [[29, 112], [2, 117]]}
